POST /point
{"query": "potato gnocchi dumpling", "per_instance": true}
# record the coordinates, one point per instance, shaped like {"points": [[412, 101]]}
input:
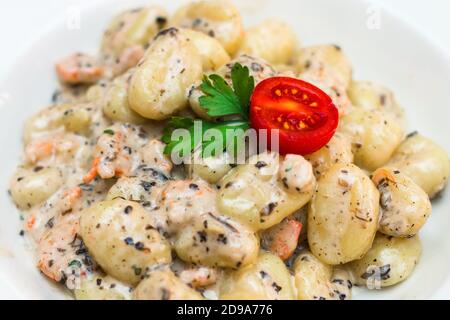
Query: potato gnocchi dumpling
{"points": [[266, 279], [100, 287], [115, 103], [211, 51], [374, 136], [120, 236], [337, 151], [370, 96], [425, 162], [210, 169], [75, 118], [343, 215], [218, 19], [199, 232], [264, 192], [390, 261], [404, 206], [316, 280], [328, 59], [158, 86], [135, 27], [272, 40], [222, 243], [163, 284], [32, 186]]}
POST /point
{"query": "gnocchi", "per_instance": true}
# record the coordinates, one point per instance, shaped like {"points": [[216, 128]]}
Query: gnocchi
{"points": [[343, 215], [404, 206], [201, 234], [264, 192], [390, 261], [337, 151], [425, 162], [273, 40], [32, 186], [218, 19], [162, 284], [316, 280], [370, 96], [268, 278], [134, 27], [120, 236], [115, 102], [374, 136], [100, 287], [329, 59], [158, 86]]}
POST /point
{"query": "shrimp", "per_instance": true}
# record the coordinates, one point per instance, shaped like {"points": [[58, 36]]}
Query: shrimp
{"points": [[116, 152], [62, 202], [122, 149], [128, 59], [62, 255], [56, 147], [282, 239], [198, 276], [65, 201], [296, 173], [79, 68]]}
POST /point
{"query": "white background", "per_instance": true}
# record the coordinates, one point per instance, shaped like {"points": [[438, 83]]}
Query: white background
{"points": [[20, 20]]}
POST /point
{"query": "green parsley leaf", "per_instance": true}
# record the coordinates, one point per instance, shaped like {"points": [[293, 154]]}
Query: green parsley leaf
{"points": [[75, 263], [196, 139], [109, 131], [229, 136], [222, 100], [175, 123], [243, 85]]}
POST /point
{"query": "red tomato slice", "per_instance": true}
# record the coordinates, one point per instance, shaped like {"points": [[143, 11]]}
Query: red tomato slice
{"points": [[304, 115]]}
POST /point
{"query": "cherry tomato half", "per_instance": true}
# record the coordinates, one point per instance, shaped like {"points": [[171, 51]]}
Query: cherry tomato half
{"points": [[304, 115]]}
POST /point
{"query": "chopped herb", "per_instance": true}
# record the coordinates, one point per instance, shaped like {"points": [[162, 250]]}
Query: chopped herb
{"points": [[128, 209], [276, 287], [139, 246], [129, 241], [203, 236], [137, 270], [193, 186], [109, 131], [260, 164], [75, 263]]}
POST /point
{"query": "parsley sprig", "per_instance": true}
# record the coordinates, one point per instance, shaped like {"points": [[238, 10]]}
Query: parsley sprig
{"points": [[219, 100], [194, 142], [222, 100]]}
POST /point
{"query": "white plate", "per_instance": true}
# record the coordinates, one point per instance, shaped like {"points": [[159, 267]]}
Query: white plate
{"points": [[395, 55]]}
